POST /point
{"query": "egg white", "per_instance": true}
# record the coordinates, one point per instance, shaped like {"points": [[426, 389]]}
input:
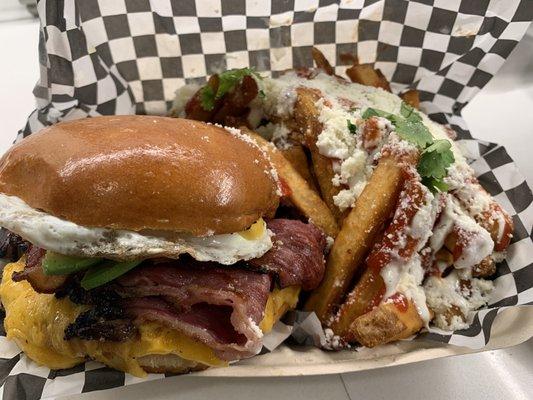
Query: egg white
{"points": [[65, 237]]}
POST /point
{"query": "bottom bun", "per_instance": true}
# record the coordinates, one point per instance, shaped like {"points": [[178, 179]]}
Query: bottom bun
{"points": [[169, 363]]}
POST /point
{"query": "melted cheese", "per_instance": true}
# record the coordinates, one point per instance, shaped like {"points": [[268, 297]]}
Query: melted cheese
{"points": [[255, 231], [36, 322], [279, 301]]}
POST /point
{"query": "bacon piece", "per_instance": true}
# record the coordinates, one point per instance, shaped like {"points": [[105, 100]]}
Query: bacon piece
{"points": [[104, 322], [207, 323], [297, 257], [12, 246], [220, 307], [34, 274]]}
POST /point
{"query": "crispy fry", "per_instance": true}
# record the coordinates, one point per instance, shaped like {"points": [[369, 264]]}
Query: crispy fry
{"points": [[486, 268], [498, 223], [494, 219], [358, 233], [366, 75], [301, 194], [366, 295], [306, 117], [322, 62], [297, 157], [348, 58], [411, 97], [397, 239], [388, 322]]}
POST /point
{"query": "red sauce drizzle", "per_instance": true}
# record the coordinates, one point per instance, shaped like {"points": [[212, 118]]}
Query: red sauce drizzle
{"points": [[400, 301]]}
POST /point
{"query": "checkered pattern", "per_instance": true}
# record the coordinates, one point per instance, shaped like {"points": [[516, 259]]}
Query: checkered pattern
{"points": [[100, 57]]}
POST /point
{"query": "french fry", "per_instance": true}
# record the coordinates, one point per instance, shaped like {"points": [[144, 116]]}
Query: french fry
{"points": [[348, 58], [322, 62], [386, 323], [366, 295], [301, 194], [306, 117], [397, 238], [494, 219], [486, 268], [366, 75], [498, 223], [359, 231], [411, 97], [297, 157], [483, 269]]}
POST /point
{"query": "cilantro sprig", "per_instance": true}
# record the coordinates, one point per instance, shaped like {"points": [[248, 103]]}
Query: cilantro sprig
{"points": [[352, 128], [227, 81], [436, 155]]}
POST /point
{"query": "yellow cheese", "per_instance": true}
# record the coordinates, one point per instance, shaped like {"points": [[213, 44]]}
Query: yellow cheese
{"points": [[279, 301], [255, 231], [36, 322]]}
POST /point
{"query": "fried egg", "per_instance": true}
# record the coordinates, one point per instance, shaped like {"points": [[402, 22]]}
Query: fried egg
{"points": [[65, 237]]}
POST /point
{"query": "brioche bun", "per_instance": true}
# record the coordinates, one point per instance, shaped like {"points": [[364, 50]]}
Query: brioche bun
{"points": [[142, 173]]}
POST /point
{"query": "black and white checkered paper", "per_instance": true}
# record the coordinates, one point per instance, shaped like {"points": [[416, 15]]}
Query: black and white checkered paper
{"points": [[129, 56]]}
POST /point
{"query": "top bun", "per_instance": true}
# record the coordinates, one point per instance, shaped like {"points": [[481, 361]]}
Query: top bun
{"points": [[142, 173]]}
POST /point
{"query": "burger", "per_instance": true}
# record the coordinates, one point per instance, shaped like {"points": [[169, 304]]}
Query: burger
{"points": [[150, 244]]}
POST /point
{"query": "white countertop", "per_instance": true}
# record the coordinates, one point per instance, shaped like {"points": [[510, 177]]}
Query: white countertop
{"points": [[502, 112]]}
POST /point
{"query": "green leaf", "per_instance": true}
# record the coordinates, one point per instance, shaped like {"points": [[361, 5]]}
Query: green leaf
{"points": [[106, 272], [436, 159], [60, 264], [351, 127], [374, 112], [409, 113], [227, 82], [435, 185], [229, 79], [207, 98], [413, 132]]}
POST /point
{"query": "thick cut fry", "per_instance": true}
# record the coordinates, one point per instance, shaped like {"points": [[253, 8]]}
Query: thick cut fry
{"points": [[366, 295], [359, 230], [486, 268], [301, 194], [396, 239], [322, 62], [411, 97], [366, 75], [494, 218], [306, 117], [298, 159], [386, 323], [348, 58]]}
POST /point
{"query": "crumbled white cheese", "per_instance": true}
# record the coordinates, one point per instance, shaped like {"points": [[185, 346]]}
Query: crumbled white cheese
{"points": [[444, 293], [480, 244], [329, 243], [332, 341]]}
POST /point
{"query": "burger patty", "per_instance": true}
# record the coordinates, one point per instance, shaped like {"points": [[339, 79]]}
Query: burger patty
{"points": [[220, 306]]}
